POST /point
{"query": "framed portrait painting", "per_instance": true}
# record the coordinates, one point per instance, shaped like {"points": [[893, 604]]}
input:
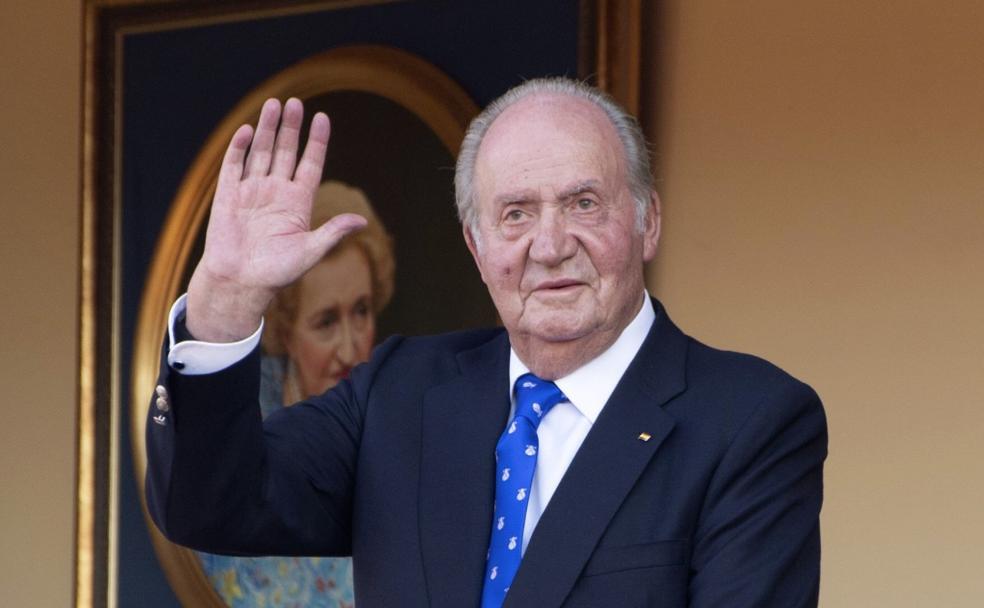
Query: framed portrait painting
{"points": [[166, 85]]}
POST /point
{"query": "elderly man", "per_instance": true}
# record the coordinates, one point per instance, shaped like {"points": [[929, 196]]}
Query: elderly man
{"points": [[589, 454]]}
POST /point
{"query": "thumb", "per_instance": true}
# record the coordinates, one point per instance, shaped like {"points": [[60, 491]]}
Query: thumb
{"points": [[326, 237]]}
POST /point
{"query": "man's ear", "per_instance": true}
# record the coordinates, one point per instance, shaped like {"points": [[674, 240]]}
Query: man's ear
{"points": [[651, 228], [472, 247]]}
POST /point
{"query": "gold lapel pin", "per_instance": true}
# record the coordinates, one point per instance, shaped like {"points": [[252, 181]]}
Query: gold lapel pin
{"points": [[645, 436]]}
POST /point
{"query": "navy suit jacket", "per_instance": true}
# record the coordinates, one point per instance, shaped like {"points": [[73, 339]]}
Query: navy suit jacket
{"points": [[699, 485]]}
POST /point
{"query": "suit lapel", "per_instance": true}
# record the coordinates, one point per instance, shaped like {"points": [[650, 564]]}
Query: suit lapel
{"points": [[604, 470], [462, 420]]}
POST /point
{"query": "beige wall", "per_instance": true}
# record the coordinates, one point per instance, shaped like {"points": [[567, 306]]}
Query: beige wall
{"points": [[823, 183], [823, 187], [39, 131]]}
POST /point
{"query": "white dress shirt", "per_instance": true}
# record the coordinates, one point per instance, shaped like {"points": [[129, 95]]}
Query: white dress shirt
{"points": [[560, 433], [563, 429], [195, 358]]}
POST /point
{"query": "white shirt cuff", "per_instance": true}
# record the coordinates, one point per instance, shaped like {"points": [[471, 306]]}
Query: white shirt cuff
{"points": [[195, 358]]}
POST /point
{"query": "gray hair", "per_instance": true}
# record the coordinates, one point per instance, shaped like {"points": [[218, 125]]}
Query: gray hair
{"points": [[626, 127]]}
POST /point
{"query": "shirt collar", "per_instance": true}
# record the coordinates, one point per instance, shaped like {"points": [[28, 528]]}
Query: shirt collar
{"points": [[589, 386]]}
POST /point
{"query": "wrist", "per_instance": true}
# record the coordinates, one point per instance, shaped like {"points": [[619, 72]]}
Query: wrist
{"points": [[223, 310]]}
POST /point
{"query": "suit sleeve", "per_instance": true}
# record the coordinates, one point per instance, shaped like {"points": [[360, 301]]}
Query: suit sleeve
{"points": [[222, 480], [758, 537]]}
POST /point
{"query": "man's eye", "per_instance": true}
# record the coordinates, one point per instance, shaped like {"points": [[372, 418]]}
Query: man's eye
{"points": [[514, 216], [585, 204]]}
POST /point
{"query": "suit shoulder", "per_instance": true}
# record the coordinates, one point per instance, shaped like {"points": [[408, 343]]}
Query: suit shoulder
{"points": [[444, 344], [729, 391], [741, 375], [408, 353]]}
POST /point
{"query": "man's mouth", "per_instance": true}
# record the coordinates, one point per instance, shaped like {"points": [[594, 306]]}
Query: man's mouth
{"points": [[558, 285]]}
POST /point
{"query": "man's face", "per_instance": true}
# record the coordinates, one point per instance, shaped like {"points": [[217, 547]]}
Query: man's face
{"points": [[557, 243]]}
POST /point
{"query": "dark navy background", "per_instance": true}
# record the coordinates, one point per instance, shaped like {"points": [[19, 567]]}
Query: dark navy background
{"points": [[179, 84]]}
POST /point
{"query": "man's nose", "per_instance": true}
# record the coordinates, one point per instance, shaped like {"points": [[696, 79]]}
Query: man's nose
{"points": [[552, 241]]}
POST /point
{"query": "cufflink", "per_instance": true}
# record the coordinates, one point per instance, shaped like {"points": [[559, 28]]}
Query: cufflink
{"points": [[161, 401], [645, 436]]}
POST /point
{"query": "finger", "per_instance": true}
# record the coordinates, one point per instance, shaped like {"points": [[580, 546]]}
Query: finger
{"points": [[285, 149], [326, 236], [313, 161], [258, 160], [231, 170]]}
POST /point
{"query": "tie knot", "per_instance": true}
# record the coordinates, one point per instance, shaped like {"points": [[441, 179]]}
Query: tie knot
{"points": [[535, 397]]}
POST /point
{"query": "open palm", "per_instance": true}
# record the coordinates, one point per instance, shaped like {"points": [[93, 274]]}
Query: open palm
{"points": [[258, 238]]}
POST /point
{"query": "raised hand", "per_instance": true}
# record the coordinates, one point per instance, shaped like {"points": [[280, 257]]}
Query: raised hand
{"points": [[258, 238]]}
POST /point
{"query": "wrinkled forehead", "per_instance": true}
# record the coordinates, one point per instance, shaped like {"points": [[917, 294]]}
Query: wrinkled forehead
{"points": [[550, 130]]}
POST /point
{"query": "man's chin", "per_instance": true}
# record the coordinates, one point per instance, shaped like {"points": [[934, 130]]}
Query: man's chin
{"points": [[557, 327]]}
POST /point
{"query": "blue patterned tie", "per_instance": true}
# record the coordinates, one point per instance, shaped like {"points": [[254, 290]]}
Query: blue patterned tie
{"points": [[515, 462]]}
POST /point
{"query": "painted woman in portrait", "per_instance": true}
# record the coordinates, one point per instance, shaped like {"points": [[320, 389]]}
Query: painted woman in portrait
{"points": [[316, 331]]}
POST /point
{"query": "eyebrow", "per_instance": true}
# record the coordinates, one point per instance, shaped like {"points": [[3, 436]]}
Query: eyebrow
{"points": [[516, 196], [528, 194], [588, 185]]}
